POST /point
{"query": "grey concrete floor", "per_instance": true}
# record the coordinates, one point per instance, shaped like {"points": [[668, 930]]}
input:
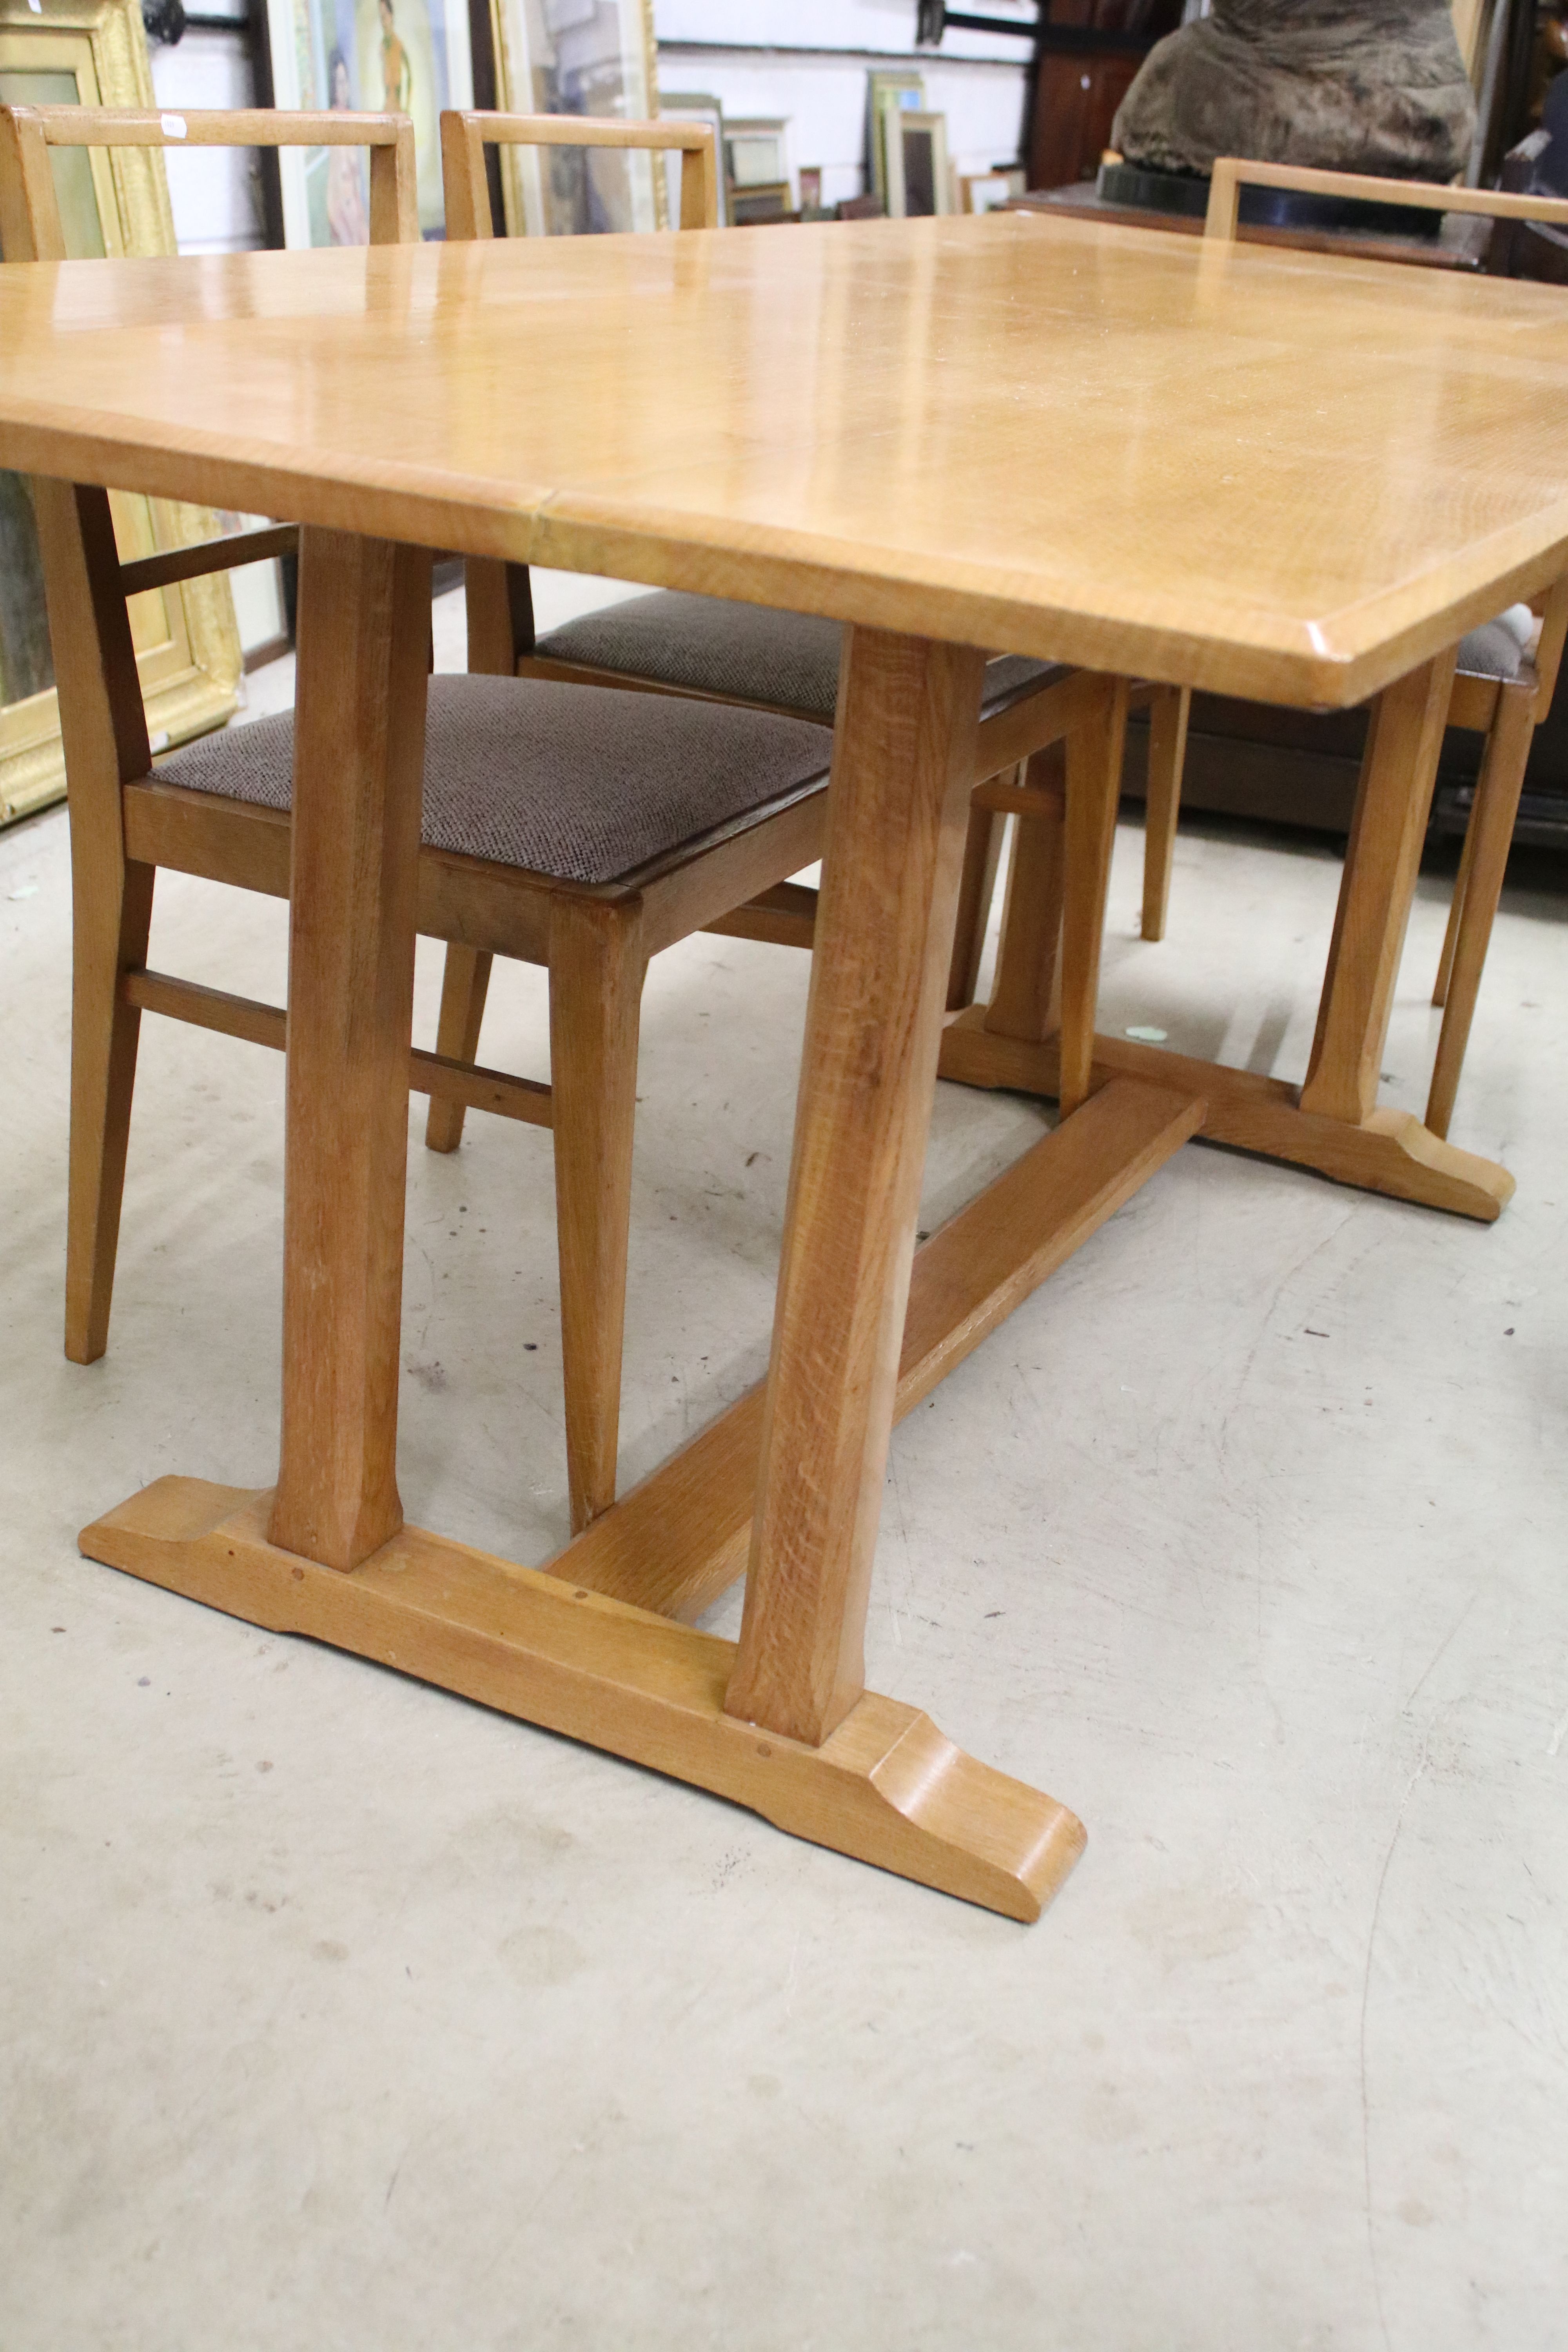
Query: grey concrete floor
{"points": [[339, 2013]]}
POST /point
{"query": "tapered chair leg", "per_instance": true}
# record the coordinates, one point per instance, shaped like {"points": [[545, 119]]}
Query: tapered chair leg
{"points": [[597, 966], [977, 883], [108, 942], [1026, 990], [1487, 846], [104, 730], [1168, 713], [1455, 909], [464, 987], [1093, 791]]}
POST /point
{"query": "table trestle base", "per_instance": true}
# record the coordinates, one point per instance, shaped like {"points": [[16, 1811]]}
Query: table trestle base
{"points": [[1389, 1152], [556, 1648], [676, 1542], [886, 1787]]}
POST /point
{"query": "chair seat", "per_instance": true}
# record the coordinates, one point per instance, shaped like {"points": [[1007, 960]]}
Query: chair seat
{"points": [[580, 785], [706, 645], [1497, 648]]}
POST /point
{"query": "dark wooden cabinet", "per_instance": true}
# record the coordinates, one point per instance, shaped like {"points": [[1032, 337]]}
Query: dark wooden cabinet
{"points": [[1086, 53]]}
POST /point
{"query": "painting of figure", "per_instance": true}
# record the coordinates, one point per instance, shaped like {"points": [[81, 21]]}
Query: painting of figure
{"points": [[348, 205], [389, 56], [396, 73]]}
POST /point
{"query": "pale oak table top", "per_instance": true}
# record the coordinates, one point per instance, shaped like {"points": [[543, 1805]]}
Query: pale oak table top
{"points": [[1280, 474]]}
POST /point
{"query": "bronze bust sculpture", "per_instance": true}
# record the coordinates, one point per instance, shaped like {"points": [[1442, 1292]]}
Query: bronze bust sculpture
{"points": [[1348, 85]]}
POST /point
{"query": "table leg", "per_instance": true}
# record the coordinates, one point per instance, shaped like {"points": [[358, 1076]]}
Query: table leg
{"points": [[1332, 1124], [780, 1722], [903, 762], [1394, 800], [359, 750]]}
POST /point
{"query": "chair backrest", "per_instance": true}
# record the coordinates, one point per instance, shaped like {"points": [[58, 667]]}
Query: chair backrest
{"points": [[103, 722], [29, 214], [466, 135], [30, 230], [1233, 173]]}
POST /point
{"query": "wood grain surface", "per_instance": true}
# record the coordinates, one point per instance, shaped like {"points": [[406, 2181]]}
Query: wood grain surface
{"points": [[887, 1786], [1269, 473]]}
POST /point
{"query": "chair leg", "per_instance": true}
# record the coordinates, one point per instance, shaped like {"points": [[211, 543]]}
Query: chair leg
{"points": [[1093, 793], [597, 966], [1455, 909], [1168, 714], [1487, 846], [464, 987], [110, 937], [982, 849], [1026, 994]]}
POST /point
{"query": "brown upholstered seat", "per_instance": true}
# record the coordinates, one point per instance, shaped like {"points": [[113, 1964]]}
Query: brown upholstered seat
{"points": [[580, 787], [746, 652], [1498, 648]]}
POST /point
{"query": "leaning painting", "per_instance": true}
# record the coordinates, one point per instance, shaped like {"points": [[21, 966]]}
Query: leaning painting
{"points": [[387, 57], [577, 56], [94, 53]]}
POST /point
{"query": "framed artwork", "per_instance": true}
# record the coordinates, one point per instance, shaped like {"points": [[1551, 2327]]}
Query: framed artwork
{"points": [[94, 53], [576, 57], [987, 192], [888, 93], [919, 179], [387, 56]]}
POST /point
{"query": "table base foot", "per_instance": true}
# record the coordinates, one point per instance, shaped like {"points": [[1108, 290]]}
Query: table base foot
{"points": [[1390, 1152], [886, 1788]]}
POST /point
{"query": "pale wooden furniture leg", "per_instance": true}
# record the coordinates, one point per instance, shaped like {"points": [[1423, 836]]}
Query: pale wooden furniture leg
{"points": [[904, 763], [1026, 994], [1169, 710], [1455, 911], [358, 750], [1339, 1132], [597, 966], [105, 738], [1093, 791], [1399, 768], [801, 1464], [1487, 844], [464, 984], [982, 851]]}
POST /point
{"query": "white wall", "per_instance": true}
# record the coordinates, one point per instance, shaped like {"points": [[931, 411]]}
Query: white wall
{"points": [[216, 194], [976, 80]]}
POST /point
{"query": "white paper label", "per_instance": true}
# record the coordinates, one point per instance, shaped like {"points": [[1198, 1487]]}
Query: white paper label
{"points": [[174, 125]]}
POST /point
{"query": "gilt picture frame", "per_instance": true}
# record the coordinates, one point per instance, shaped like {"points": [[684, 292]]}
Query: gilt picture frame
{"points": [[94, 53]]}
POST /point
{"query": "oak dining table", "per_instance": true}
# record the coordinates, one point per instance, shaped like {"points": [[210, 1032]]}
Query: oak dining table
{"points": [[1263, 473]]}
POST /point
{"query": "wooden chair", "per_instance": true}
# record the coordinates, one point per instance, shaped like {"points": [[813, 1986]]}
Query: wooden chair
{"points": [[712, 650], [1499, 690], [580, 831]]}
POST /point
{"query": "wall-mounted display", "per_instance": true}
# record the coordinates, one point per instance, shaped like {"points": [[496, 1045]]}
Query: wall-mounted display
{"points": [[94, 53]]}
